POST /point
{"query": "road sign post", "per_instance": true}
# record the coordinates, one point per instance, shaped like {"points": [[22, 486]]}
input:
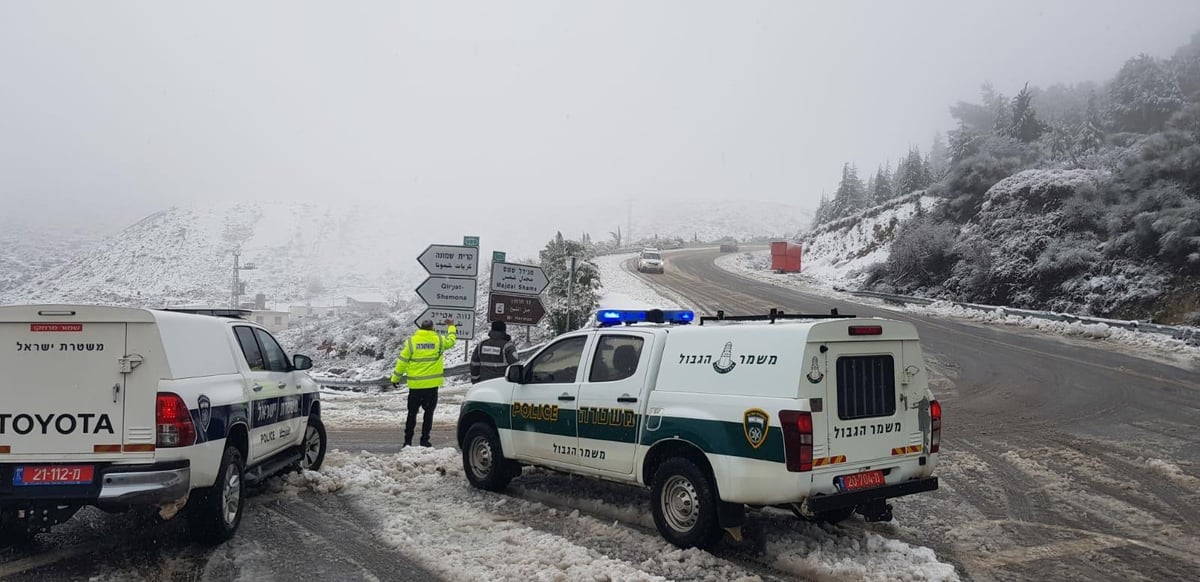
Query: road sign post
{"points": [[450, 290], [451, 261], [521, 279], [515, 309], [464, 319]]}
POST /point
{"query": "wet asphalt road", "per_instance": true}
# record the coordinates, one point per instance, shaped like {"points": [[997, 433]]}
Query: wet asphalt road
{"points": [[312, 537], [1062, 459]]}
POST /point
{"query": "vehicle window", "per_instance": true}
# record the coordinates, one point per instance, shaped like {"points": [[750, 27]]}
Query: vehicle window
{"points": [[651, 256], [866, 387], [250, 349], [277, 360], [558, 364], [616, 358]]}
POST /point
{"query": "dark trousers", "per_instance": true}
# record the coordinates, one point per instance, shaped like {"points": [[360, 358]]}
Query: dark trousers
{"points": [[425, 398]]}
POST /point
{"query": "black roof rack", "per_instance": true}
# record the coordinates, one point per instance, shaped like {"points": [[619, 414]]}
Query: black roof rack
{"points": [[775, 314], [213, 311]]}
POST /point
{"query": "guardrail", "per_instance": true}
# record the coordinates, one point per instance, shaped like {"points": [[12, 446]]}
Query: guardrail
{"points": [[1190, 335], [450, 371]]}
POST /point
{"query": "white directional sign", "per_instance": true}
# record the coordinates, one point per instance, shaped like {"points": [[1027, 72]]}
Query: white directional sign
{"points": [[448, 292], [522, 279], [450, 260], [464, 319]]}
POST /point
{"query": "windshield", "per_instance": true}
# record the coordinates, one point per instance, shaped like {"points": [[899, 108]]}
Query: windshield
{"points": [[651, 256]]}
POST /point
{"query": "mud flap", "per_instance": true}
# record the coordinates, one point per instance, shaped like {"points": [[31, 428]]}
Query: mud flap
{"points": [[731, 517]]}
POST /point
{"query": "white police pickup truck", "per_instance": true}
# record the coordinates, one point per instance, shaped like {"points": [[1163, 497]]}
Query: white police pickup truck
{"points": [[119, 407], [824, 415]]}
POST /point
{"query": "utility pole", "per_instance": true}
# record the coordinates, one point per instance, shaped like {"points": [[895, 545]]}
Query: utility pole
{"points": [[236, 290], [571, 292], [629, 221]]}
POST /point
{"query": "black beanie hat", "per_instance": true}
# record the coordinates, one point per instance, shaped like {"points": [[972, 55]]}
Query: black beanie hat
{"points": [[499, 326]]}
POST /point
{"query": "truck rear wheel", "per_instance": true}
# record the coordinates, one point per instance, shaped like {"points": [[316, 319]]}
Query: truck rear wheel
{"points": [[214, 513], [683, 501], [483, 461]]}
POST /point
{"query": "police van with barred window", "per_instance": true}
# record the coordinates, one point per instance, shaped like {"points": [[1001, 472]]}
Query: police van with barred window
{"points": [[120, 407], [825, 415]]}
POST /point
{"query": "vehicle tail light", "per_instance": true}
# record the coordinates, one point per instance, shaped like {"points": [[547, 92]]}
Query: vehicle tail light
{"points": [[175, 428], [935, 426], [797, 439], [866, 330]]}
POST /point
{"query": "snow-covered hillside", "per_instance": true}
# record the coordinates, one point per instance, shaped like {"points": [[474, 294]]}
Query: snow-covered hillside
{"points": [[710, 220], [839, 253], [185, 255], [27, 251]]}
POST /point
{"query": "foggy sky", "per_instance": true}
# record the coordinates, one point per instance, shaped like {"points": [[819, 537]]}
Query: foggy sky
{"points": [[122, 108]]}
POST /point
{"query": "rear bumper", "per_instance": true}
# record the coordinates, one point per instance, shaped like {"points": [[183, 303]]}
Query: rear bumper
{"points": [[822, 503], [115, 486], [151, 487]]}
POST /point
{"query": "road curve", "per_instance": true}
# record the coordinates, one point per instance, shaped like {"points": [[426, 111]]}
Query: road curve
{"points": [[1058, 455]]}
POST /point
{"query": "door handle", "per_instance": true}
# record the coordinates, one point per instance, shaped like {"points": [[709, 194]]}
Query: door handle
{"points": [[566, 397], [282, 385], [626, 398], [258, 387]]}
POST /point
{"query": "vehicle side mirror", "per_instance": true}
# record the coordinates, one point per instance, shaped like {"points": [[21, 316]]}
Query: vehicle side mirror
{"points": [[300, 362], [515, 374]]}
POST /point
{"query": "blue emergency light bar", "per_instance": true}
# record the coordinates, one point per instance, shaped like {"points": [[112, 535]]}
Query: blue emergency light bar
{"points": [[608, 317]]}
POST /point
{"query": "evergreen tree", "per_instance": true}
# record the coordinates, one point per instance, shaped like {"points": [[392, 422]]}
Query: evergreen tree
{"points": [[851, 195], [939, 157], [563, 316], [1186, 64], [1143, 95], [1090, 136], [1025, 126], [822, 215], [913, 174], [882, 191]]}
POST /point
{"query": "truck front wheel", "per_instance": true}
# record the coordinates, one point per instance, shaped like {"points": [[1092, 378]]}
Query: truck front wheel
{"points": [[683, 501], [483, 461]]}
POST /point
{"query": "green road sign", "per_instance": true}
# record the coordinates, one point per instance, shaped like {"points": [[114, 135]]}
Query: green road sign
{"points": [[470, 241], [499, 256]]}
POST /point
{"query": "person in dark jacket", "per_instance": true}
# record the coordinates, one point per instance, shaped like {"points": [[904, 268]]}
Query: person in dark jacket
{"points": [[493, 355]]}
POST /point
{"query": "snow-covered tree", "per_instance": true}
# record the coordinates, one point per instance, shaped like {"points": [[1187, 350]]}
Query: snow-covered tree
{"points": [[561, 315], [1143, 95], [1025, 126], [1186, 64], [851, 195], [912, 174], [882, 188], [1090, 136], [939, 157]]}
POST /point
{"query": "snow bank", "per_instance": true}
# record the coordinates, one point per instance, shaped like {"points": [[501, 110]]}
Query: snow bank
{"points": [[427, 510], [1096, 331], [756, 266], [841, 253], [376, 408]]}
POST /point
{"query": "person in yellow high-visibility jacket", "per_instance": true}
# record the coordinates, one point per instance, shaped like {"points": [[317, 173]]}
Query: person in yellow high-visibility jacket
{"points": [[421, 359]]}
